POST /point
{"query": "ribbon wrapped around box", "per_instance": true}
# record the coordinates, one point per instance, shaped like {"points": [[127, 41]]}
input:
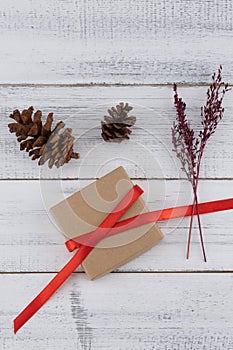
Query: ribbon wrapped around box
{"points": [[83, 212], [90, 219]]}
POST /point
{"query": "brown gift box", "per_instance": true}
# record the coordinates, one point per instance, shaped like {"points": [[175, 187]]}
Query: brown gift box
{"points": [[85, 210]]}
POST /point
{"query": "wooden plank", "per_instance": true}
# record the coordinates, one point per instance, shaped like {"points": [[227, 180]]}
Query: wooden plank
{"points": [[122, 311], [140, 41], [147, 155], [30, 240]]}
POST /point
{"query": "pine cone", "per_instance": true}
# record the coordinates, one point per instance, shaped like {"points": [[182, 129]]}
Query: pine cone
{"points": [[115, 127], [39, 140]]}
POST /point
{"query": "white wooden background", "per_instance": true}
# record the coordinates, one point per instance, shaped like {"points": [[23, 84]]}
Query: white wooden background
{"points": [[77, 58]]}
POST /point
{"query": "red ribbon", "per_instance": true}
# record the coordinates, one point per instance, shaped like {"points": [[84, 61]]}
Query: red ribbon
{"points": [[109, 227], [77, 259], [153, 216]]}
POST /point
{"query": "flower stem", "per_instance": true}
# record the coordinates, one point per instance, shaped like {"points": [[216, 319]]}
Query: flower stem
{"points": [[190, 231], [199, 222], [195, 185]]}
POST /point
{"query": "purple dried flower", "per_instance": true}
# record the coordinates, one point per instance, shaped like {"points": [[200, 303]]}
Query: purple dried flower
{"points": [[190, 148]]}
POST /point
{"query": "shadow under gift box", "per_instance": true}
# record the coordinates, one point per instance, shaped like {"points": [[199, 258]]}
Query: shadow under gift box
{"points": [[83, 211]]}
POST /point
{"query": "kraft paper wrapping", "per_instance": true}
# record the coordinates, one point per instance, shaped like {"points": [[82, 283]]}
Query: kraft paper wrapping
{"points": [[85, 210]]}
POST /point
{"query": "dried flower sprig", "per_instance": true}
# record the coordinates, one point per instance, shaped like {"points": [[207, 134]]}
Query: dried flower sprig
{"points": [[190, 148]]}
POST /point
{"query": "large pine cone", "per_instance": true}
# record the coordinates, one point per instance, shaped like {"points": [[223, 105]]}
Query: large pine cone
{"points": [[39, 140], [115, 126]]}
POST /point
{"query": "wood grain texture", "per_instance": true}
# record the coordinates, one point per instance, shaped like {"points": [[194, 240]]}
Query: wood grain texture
{"points": [[147, 155], [134, 41], [158, 301], [31, 242], [122, 312]]}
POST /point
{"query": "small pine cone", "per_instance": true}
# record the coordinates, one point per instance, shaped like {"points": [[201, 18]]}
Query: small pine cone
{"points": [[39, 140], [115, 126]]}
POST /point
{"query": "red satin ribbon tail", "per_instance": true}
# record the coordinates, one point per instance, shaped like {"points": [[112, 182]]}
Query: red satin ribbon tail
{"points": [[51, 288], [77, 259]]}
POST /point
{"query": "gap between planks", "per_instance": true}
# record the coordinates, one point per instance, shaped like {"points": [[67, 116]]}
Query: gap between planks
{"points": [[124, 272], [104, 85], [132, 178]]}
